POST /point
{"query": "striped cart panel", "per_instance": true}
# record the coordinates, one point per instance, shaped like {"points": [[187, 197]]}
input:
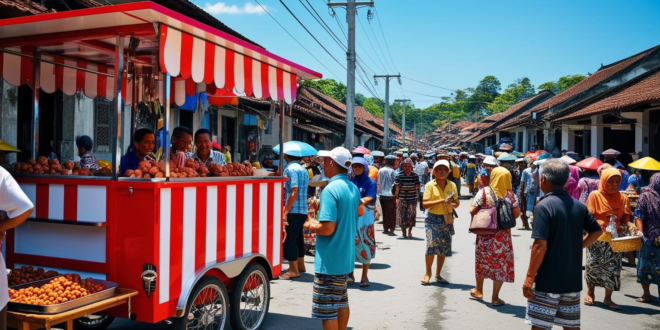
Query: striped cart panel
{"points": [[68, 202], [215, 223]]}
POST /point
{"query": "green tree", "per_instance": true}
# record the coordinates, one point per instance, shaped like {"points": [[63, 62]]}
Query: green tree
{"points": [[566, 82], [359, 99], [329, 87], [519, 90], [372, 106], [550, 86]]}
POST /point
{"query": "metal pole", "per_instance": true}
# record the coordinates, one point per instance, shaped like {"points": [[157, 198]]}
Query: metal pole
{"points": [[280, 168], [386, 117], [116, 104], [350, 81], [403, 123], [36, 76], [165, 144]]}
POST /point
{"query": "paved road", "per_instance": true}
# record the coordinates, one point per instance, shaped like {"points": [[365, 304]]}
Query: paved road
{"points": [[396, 300]]}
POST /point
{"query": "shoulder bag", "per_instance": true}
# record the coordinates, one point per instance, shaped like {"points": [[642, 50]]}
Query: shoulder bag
{"points": [[505, 219], [485, 221]]}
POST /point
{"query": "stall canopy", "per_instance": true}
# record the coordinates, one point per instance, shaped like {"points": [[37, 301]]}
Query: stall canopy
{"points": [[77, 53]]}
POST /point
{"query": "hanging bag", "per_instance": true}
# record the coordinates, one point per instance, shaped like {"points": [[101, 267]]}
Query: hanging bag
{"points": [[449, 215], [505, 219], [485, 221]]}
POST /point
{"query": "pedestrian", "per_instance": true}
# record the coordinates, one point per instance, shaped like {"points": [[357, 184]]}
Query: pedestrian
{"points": [[494, 253], [484, 176], [15, 208], [571, 186], [365, 240], [471, 173], [294, 215], [456, 176], [647, 219], [519, 167], [386, 178], [440, 198], [529, 190], [335, 240], [422, 171], [588, 183], [603, 266], [637, 181], [555, 266], [407, 186]]}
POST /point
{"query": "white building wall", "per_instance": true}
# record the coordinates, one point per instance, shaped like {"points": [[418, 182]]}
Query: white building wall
{"points": [[9, 117], [596, 136]]}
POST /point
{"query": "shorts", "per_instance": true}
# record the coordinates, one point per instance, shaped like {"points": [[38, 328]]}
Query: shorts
{"points": [[330, 295], [546, 309]]}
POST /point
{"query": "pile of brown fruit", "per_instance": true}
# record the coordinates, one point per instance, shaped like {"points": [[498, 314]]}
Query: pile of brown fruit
{"points": [[58, 290], [27, 274], [42, 165]]}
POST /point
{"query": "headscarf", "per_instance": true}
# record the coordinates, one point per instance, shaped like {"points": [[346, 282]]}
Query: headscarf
{"points": [[500, 181], [571, 186], [369, 158], [364, 183], [649, 205], [602, 204]]}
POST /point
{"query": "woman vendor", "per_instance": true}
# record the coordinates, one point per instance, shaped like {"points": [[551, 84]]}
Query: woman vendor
{"points": [[603, 266], [144, 142], [365, 241], [205, 154]]}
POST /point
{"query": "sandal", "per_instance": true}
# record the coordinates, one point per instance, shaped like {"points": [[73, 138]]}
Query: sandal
{"points": [[441, 280], [646, 300], [588, 301], [473, 294], [427, 282], [498, 303], [287, 277], [364, 283], [612, 306]]}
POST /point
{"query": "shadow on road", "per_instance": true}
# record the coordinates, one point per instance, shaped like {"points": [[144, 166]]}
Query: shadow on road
{"points": [[372, 287], [374, 265], [516, 311], [628, 309], [456, 286], [411, 239]]}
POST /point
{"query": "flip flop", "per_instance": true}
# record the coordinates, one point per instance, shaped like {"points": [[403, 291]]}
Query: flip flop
{"points": [[441, 280], [644, 300], [499, 303], [588, 301], [612, 306], [364, 283], [474, 295], [287, 277], [427, 282]]}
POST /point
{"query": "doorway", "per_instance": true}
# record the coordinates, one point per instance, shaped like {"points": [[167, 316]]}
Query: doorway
{"points": [[229, 133]]}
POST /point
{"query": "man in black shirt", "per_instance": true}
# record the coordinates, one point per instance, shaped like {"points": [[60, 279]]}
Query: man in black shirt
{"points": [[555, 265]]}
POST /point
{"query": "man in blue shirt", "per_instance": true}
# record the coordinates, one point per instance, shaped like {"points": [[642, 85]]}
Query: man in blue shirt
{"points": [[335, 240], [295, 213], [637, 181]]}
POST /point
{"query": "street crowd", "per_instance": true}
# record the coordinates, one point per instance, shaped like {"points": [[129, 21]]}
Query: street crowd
{"points": [[568, 205]]}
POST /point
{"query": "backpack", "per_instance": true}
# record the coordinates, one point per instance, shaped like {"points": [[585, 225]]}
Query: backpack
{"points": [[505, 219]]}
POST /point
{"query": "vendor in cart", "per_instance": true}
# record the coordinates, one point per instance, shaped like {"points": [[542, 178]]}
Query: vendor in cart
{"points": [[144, 142], [182, 138], [205, 153]]}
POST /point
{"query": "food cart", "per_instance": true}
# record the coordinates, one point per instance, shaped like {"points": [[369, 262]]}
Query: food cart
{"points": [[198, 250]]}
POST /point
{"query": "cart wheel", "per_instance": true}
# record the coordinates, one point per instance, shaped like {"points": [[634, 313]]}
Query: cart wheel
{"points": [[250, 299], [93, 321], [206, 307]]}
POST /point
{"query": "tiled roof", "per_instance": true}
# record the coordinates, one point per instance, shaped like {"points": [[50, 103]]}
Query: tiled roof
{"points": [[312, 128], [17, 8], [517, 107], [602, 74], [461, 124], [645, 89]]}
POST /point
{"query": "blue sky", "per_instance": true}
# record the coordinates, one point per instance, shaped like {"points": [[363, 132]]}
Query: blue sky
{"points": [[454, 44]]}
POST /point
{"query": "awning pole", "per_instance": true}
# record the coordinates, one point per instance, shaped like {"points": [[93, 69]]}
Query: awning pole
{"points": [[36, 68], [281, 165], [165, 143], [134, 103], [117, 105]]}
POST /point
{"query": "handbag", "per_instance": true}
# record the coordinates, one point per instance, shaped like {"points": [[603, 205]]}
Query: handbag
{"points": [[485, 221], [505, 219], [449, 215]]}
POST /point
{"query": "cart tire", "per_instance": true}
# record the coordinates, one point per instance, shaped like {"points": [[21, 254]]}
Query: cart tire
{"points": [[250, 299], [95, 322], [210, 312]]}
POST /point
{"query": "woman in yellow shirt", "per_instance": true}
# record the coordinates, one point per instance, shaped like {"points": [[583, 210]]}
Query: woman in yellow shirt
{"points": [[440, 198]]}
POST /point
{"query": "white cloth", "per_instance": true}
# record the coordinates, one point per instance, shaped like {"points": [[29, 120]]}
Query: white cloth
{"points": [[14, 202]]}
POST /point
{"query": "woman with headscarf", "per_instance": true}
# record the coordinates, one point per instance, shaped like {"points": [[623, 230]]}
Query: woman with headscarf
{"points": [[494, 253], [440, 198], [365, 241], [407, 186], [604, 265], [647, 220], [571, 185]]}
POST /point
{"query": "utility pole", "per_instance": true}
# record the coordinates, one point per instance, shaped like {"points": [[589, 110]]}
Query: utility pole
{"points": [[403, 118], [386, 119], [351, 12]]}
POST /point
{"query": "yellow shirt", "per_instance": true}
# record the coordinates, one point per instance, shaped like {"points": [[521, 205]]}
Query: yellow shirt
{"points": [[227, 157], [373, 173], [432, 192]]}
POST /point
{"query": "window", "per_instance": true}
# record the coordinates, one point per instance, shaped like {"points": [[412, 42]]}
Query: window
{"points": [[102, 121]]}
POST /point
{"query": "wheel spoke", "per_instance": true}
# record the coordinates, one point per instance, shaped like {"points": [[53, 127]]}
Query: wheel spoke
{"points": [[209, 312]]}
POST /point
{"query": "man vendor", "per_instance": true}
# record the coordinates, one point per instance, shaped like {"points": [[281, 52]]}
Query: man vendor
{"points": [[144, 142], [182, 138], [205, 153]]}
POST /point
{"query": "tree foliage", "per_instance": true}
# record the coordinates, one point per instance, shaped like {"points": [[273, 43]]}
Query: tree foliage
{"points": [[562, 84], [519, 90]]}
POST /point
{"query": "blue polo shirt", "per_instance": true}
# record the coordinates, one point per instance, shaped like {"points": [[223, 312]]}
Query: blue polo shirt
{"points": [[129, 161], [335, 254], [298, 178]]}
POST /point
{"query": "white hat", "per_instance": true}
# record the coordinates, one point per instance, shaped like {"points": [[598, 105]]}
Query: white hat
{"points": [[540, 161], [490, 160], [520, 160], [339, 155], [568, 160], [442, 162]]}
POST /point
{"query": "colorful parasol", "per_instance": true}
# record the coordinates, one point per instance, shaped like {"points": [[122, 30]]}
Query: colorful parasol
{"points": [[590, 163], [4, 146], [646, 163], [610, 152], [296, 149], [362, 150]]}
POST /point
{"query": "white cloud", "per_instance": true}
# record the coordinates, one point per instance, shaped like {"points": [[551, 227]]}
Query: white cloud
{"points": [[220, 8]]}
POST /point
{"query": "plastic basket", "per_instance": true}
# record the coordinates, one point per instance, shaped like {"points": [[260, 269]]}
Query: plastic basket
{"points": [[626, 244]]}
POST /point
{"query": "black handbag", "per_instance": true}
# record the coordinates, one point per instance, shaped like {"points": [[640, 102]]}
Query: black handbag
{"points": [[505, 219]]}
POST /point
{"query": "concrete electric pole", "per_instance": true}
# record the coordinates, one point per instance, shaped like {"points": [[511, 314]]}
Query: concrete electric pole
{"points": [[403, 119], [351, 12], [386, 118]]}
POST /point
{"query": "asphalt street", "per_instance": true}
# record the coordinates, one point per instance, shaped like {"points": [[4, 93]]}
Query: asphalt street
{"points": [[396, 300]]}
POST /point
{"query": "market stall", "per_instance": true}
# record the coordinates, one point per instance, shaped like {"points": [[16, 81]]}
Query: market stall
{"points": [[199, 247]]}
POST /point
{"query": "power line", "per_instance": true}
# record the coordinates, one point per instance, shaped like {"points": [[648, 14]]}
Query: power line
{"points": [[378, 43], [359, 44], [294, 38], [385, 39], [372, 46], [421, 82]]}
